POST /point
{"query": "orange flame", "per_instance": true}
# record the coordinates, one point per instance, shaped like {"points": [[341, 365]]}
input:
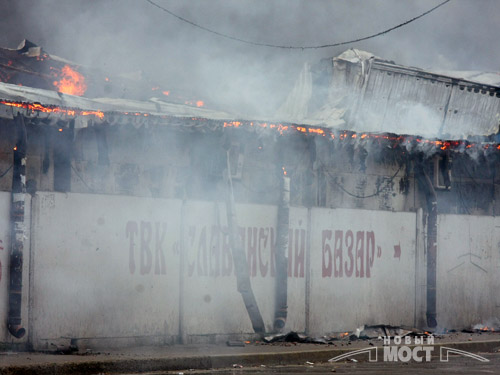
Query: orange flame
{"points": [[280, 128], [51, 109], [487, 329], [316, 131], [70, 82]]}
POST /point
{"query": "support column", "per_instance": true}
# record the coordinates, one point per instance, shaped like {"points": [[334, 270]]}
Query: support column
{"points": [[17, 231], [282, 227], [431, 199]]}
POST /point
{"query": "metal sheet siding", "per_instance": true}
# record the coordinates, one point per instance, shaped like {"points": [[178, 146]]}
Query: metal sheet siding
{"points": [[401, 101], [472, 113], [402, 104]]}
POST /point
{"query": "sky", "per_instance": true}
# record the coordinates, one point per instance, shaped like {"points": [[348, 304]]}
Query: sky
{"points": [[131, 36]]}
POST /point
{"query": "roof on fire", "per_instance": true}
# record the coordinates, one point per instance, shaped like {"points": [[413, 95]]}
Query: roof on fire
{"points": [[109, 107], [364, 93]]}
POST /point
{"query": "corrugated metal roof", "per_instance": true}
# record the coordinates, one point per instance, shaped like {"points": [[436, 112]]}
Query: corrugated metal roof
{"points": [[369, 94], [411, 101], [109, 107], [365, 94]]}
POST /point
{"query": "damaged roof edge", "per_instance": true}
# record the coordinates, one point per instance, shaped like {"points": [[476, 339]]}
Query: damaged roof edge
{"points": [[64, 105], [355, 56], [52, 105], [8, 109], [380, 95]]}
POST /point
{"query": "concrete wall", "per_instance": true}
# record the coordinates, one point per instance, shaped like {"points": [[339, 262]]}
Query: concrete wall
{"points": [[104, 267], [363, 269], [110, 267], [468, 275], [211, 302], [115, 268], [122, 270]]}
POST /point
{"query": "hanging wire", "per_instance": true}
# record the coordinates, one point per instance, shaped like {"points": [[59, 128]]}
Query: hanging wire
{"points": [[294, 47], [6, 171], [460, 186], [81, 179]]}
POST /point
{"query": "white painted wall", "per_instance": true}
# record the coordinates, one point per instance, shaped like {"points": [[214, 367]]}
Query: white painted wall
{"points": [[98, 267], [345, 292], [468, 264], [84, 286], [109, 267], [211, 302]]}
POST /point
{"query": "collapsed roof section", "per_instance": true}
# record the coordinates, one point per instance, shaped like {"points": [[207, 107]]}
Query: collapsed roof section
{"points": [[368, 94], [53, 108], [30, 66]]}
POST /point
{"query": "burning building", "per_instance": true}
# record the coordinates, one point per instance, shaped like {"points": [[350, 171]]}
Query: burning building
{"points": [[369, 198]]}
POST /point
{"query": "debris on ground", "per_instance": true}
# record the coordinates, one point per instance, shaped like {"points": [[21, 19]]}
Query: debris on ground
{"points": [[293, 337], [490, 326], [382, 330], [365, 332], [235, 343]]}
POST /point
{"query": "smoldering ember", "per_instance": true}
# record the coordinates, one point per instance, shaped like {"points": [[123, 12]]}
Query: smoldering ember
{"points": [[370, 197]]}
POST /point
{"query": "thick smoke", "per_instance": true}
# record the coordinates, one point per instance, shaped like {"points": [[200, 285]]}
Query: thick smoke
{"points": [[133, 36]]}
